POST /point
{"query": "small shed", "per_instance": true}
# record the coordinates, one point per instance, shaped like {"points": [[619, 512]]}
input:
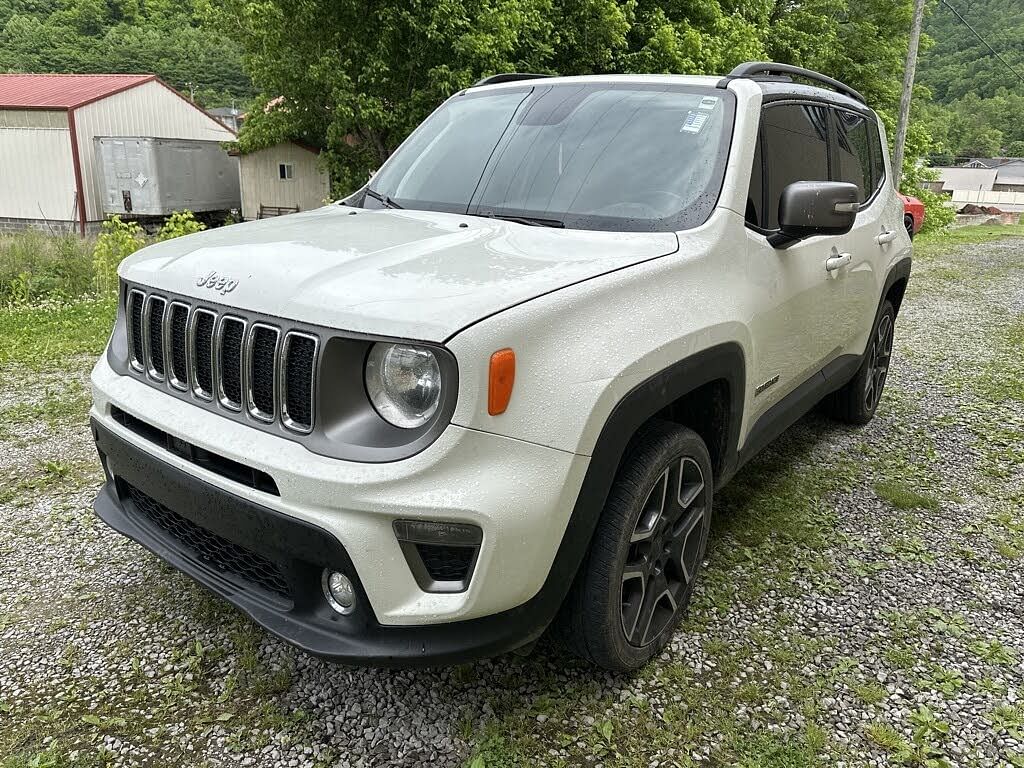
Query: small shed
{"points": [[284, 178], [48, 126]]}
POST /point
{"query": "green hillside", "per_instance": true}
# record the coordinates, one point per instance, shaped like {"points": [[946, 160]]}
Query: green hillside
{"points": [[976, 102], [167, 37]]}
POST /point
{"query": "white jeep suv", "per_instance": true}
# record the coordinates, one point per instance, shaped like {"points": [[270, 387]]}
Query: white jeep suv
{"points": [[496, 389]]}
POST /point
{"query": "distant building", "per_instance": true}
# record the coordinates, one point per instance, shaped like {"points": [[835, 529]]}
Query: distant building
{"points": [[996, 182], [974, 178], [49, 125], [284, 178], [232, 117], [987, 162]]}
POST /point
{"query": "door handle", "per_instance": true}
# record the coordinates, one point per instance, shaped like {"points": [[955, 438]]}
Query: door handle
{"points": [[837, 261], [886, 237]]}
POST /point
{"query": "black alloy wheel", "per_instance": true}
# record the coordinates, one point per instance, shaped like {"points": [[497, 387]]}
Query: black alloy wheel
{"points": [[635, 584], [857, 400], [664, 552], [879, 355]]}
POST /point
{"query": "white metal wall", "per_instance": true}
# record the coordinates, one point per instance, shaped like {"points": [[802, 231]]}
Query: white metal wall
{"points": [[261, 182], [1007, 201], [37, 176], [150, 109]]}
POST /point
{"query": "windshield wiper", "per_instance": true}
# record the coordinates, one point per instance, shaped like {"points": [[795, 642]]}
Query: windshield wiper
{"points": [[531, 221], [387, 201]]}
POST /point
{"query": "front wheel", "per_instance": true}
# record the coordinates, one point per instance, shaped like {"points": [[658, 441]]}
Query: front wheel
{"points": [[636, 582], [908, 222], [857, 402]]}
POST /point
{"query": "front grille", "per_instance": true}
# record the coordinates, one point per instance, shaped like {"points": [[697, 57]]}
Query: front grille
{"points": [[224, 359], [232, 331], [155, 336], [446, 563], [213, 551], [299, 354], [260, 367], [177, 338], [202, 353], [136, 353]]}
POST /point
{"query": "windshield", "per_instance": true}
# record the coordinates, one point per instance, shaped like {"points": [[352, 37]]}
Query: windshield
{"points": [[632, 157]]}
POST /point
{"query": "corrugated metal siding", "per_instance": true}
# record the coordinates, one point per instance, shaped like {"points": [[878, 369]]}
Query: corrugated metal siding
{"points": [[33, 118], [38, 176], [146, 110], [308, 188]]}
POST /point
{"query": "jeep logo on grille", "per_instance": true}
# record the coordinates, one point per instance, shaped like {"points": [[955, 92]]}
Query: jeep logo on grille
{"points": [[217, 283]]}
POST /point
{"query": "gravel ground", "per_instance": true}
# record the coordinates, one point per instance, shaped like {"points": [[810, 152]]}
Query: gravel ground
{"points": [[862, 604]]}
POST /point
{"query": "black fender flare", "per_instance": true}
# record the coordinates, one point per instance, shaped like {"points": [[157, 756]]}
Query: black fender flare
{"points": [[898, 271], [724, 361]]}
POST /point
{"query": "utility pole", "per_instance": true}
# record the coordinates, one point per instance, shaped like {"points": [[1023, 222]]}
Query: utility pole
{"points": [[908, 90]]}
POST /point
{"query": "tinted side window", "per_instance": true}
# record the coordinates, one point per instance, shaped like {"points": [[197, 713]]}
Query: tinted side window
{"points": [[755, 193], [877, 158], [795, 147], [853, 147]]}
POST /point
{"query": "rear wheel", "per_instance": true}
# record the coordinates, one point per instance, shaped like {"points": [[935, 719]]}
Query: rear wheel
{"points": [[857, 402], [637, 579], [908, 222]]}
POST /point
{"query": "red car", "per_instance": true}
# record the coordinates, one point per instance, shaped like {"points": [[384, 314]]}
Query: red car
{"points": [[913, 214]]}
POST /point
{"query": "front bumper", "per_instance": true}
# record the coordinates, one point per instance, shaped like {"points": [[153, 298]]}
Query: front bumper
{"points": [[300, 551], [340, 514]]}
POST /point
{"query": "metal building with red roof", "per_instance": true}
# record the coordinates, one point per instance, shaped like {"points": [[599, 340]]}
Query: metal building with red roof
{"points": [[49, 124]]}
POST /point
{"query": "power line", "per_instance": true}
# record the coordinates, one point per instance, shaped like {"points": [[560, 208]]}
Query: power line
{"points": [[983, 40]]}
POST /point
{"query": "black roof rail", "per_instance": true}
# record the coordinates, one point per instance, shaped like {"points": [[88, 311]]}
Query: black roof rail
{"points": [[754, 69], [508, 77]]}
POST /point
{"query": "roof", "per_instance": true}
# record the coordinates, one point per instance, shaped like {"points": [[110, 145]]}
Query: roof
{"points": [[62, 91], [992, 162], [705, 80], [1012, 175], [977, 179], [295, 142]]}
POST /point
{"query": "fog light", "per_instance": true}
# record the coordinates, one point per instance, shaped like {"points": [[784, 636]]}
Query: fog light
{"points": [[339, 591]]}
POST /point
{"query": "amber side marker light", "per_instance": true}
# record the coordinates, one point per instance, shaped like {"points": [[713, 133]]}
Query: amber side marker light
{"points": [[502, 378]]}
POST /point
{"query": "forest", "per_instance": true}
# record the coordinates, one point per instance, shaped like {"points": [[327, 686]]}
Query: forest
{"points": [[355, 77], [971, 102]]}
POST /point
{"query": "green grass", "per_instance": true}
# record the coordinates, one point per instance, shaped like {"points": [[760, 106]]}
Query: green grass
{"points": [[900, 496], [928, 246], [43, 338], [1003, 378], [36, 266], [869, 693]]}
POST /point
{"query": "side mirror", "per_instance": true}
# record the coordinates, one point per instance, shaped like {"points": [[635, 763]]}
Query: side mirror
{"points": [[808, 208]]}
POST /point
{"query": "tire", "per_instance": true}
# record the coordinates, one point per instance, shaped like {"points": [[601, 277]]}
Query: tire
{"points": [[858, 400], [635, 584], [908, 222]]}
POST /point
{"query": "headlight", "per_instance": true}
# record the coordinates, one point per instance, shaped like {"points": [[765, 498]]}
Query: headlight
{"points": [[404, 383]]}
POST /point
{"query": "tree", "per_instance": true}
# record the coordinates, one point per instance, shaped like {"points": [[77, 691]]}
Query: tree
{"points": [[355, 78]]}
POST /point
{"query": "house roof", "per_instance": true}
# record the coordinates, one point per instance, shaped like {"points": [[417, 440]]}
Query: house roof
{"points": [[991, 162], [62, 91], [978, 179], [1013, 175]]}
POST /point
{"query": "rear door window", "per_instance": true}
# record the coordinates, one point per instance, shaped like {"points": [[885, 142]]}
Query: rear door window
{"points": [[853, 153]]}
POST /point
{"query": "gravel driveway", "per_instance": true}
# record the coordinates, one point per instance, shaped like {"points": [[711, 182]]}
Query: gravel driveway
{"points": [[863, 602]]}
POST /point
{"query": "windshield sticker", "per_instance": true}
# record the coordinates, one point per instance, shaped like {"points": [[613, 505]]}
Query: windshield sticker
{"points": [[694, 122], [709, 102]]}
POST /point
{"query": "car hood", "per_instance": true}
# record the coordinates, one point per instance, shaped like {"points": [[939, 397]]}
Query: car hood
{"points": [[408, 274]]}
